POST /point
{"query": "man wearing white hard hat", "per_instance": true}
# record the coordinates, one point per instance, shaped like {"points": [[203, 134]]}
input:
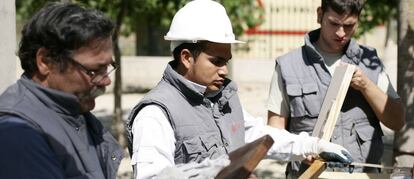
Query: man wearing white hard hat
{"points": [[193, 118]]}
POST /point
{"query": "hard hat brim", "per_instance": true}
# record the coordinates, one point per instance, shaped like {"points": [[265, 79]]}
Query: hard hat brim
{"points": [[194, 40]]}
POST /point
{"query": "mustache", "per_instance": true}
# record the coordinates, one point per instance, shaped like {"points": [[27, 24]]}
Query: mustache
{"points": [[95, 92]]}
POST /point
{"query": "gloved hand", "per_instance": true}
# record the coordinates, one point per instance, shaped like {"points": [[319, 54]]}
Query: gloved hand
{"points": [[207, 169], [335, 155]]}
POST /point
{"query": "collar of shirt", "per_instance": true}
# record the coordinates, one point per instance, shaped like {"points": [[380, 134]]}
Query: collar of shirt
{"points": [[202, 89]]}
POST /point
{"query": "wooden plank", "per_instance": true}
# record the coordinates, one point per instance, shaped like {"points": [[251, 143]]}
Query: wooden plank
{"points": [[333, 101], [346, 175], [245, 159], [314, 170], [330, 110]]}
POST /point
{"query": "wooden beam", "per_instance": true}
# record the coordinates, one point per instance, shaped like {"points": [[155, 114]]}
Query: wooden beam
{"points": [[332, 103], [346, 175], [330, 110], [245, 159], [314, 170]]}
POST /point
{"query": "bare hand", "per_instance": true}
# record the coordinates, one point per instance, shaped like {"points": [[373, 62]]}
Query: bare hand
{"points": [[359, 80], [309, 159]]}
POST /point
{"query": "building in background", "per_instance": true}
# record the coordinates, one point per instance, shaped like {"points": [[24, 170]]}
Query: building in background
{"points": [[284, 27]]}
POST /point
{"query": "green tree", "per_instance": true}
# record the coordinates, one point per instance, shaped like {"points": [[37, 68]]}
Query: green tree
{"points": [[377, 12]]}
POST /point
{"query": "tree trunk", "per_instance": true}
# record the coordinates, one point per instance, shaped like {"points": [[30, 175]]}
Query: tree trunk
{"points": [[118, 122], [404, 139], [149, 37], [8, 45]]}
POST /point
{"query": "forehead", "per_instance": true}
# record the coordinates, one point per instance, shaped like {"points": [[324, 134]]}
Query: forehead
{"points": [[345, 18], [218, 49], [96, 46], [99, 51]]}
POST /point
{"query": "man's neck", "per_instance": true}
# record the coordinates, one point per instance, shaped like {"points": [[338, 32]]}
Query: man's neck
{"points": [[323, 46]]}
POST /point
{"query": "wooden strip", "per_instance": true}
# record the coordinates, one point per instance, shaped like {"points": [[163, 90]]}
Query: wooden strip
{"points": [[330, 110], [333, 101], [346, 175], [338, 98], [314, 170], [380, 166], [245, 159]]}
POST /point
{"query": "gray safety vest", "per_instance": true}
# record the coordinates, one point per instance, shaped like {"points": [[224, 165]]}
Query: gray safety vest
{"points": [[35, 104], [306, 80], [203, 127]]}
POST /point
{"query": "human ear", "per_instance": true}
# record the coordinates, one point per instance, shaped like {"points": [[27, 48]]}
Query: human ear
{"points": [[186, 58], [42, 62], [319, 14]]}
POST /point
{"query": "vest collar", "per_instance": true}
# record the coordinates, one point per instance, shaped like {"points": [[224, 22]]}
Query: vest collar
{"points": [[352, 54], [181, 83], [59, 101], [196, 91], [64, 104]]}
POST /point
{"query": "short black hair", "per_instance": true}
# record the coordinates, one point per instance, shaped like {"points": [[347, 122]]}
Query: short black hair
{"points": [[343, 6], [194, 48], [61, 28]]}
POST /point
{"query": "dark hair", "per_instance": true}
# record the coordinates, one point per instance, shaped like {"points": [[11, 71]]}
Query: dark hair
{"points": [[343, 6], [61, 28], [194, 48]]}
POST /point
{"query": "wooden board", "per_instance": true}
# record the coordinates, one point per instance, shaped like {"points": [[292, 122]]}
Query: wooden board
{"points": [[245, 159], [314, 170], [332, 103], [330, 110], [346, 175]]}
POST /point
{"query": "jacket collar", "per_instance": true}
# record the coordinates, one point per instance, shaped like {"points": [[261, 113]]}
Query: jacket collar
{"points": [[352, 53], [64, 104], [59, 101], [195, 91]]}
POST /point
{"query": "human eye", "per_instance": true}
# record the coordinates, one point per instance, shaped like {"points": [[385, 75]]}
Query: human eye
{"points": [[349, 26], [335, 24], [219, 61]]}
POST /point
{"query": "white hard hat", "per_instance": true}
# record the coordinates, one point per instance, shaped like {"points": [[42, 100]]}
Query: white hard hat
{"points": [[201, 20]]}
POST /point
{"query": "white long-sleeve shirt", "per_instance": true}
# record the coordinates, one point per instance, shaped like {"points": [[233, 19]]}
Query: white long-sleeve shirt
{"points": [[154, 141]]}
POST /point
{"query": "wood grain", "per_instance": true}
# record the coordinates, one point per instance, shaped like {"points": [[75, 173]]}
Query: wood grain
{"points": [[245, 159]]}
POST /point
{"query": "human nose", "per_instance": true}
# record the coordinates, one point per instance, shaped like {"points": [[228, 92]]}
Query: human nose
{"points": [[223, 70], [340, 32], [103, 81]]}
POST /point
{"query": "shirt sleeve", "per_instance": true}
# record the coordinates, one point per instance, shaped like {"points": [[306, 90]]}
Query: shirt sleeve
{"points": [[286, 146], [384, 83], [153, 142], [276, 102], [24, 152]]}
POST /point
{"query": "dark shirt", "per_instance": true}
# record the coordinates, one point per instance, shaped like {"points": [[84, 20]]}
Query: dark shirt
{"points": [[24, 152]]}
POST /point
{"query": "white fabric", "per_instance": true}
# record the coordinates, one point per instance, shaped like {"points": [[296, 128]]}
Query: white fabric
{"points": [[153, 144], [201, 20], [277, 101]]}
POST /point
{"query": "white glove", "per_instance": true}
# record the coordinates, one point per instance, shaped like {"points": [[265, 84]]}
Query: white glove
{"points": [[334, 154], [207, 169]]}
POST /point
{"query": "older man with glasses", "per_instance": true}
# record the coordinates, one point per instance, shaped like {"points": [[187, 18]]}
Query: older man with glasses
{"points": [[46, 128]]}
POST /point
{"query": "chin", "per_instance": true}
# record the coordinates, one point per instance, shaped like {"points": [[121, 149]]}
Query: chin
{"points": [[87, 105], [213, 88]]}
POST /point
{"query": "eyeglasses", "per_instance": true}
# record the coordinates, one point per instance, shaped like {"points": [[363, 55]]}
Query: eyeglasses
{"points": [[96, 75]]}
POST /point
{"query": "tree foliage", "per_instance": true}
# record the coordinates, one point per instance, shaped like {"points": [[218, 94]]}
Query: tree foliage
{"points": [[243, 13], [376, 12]]}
